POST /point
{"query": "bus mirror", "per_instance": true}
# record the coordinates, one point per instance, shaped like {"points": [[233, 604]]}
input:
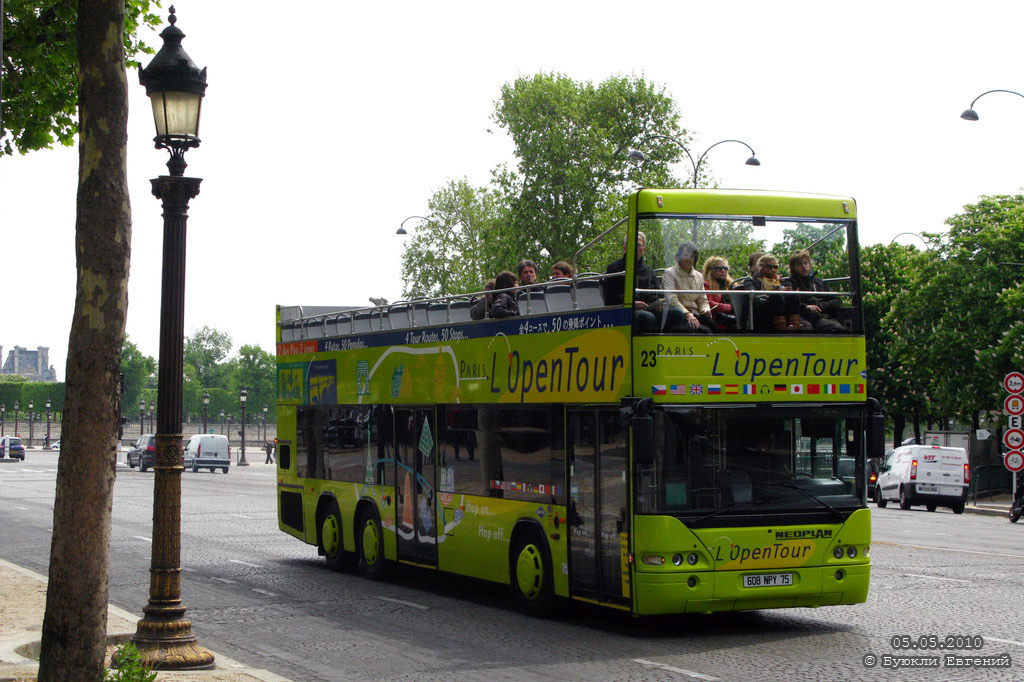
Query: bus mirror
{"points": [[876, 435], [643, 439]]}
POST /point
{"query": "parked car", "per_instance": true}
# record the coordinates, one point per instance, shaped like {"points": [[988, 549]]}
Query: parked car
{"points": [[208, 451], [55, 445], [11, 446], [925, 474], [871, 470], [143, 452], [846, 471]]}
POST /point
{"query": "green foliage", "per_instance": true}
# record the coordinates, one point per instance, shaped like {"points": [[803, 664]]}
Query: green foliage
{"points": [[129, 667], [205, 351], [40, 69], [255, 370], [138, 372]]}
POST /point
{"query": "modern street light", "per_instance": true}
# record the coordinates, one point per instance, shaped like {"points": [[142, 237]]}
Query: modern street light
{"points": [[243, 395], [151, 413], [3, 417], [969, 114], [912, 234], [222, 422], [265, 407], [206, 408], [175, 86], [637, 156], [31, 421], [46, 443], [16, 408], [142, 418]]}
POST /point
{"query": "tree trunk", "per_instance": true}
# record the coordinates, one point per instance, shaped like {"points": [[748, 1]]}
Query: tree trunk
{"points": [[75, 622], [899, 423]]}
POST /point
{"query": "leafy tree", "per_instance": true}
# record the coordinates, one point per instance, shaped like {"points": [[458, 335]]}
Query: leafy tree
{"points": [[74, 624], [204, 351], [137, 370], [40, 66], [255, 371]]}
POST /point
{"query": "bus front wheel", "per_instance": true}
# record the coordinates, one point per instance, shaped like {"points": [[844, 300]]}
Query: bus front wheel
{"points": [[331, 540], [531, 574], [370, 545]]}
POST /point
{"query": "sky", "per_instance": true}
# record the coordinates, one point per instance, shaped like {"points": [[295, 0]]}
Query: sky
{"points": [[326, 123]]}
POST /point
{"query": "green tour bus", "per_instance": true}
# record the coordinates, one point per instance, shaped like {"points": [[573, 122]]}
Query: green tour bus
{"points": [[578, 452]]}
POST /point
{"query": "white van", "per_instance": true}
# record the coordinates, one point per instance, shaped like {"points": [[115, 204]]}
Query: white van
{"points": [[208, 450], [925, 474]]}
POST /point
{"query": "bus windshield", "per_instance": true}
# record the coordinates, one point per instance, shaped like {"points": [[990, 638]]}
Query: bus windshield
{"points": [[753, 461]]}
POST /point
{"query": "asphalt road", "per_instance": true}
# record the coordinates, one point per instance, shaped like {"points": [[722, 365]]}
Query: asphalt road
{"points": [[262, 597]]}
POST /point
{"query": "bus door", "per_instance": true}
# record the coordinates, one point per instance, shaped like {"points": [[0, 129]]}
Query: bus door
{"points": [[415, 463], [598, 515]]}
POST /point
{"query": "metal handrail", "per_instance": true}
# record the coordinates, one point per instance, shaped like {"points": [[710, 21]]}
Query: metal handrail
{"points": [[576, 256]]}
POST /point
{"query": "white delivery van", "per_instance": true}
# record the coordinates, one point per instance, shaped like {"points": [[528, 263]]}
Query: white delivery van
{"points": [[931, 475], [208, 451]]}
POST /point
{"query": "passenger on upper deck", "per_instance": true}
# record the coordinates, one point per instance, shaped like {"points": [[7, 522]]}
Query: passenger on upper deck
{"points": [[695, 307], [504, 304], [752, 259], [561, 270], [816, 311], [482, 306], [527, 271], [716, 278], [647, 308], [778, 313]]}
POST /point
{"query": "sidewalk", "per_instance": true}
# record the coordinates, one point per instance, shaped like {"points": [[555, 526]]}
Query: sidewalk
{"points": [[997, 505], [22, 602]]}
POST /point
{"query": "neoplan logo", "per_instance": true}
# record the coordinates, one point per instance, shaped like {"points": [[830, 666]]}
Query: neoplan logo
{"points": [[802, 534]]}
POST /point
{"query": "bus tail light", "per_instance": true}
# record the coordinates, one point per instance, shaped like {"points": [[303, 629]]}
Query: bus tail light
{"points": [[913, 470], [653, 559], [967, 472]]}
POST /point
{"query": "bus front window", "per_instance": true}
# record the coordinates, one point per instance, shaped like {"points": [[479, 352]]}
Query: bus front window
{"points": [[754, 461]]}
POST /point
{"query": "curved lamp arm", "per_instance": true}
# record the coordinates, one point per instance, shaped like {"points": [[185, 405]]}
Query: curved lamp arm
{"points": [[638, 155], [970, 114], [915, 234]]}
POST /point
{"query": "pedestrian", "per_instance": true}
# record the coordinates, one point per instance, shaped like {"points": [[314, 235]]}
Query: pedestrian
{"points": [[269, 447]]}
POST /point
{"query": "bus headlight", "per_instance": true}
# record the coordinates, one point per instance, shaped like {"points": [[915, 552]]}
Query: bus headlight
{"points": [[838, 552], [692, 558], [851, 551], [677, 559]]}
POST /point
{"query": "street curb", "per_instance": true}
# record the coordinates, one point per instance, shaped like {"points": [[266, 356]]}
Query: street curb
{"points": [[986, 511]]}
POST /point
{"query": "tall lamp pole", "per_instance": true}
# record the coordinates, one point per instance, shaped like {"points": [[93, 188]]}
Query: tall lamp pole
{"points": [[31, 421], [243, 395], [47, 442], [3, 417], [222, 422], [264, 423], [175, 86], [142, 418], [637, 156], [151, 413], [206, 408], [16, 408]]}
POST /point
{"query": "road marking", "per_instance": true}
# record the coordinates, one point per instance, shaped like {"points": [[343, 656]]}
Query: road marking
{"points": [[681, 671], [225, 580], [242, 516], [1004, 641], [244, 563], [269, 594], [142, 537], [947, 549], [948, 535], [22, 508], [934, 577], [404, 603]]}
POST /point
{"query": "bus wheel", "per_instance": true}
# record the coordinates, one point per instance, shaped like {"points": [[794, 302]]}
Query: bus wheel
{"points": [[904, 502], [531, 574], [878, 498], [330, 540], [370, 544]]}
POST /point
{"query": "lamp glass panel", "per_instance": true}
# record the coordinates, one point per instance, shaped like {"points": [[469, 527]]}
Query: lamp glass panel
{"points": [[176, 113]]}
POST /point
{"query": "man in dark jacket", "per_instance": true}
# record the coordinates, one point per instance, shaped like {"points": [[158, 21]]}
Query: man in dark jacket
{"points": [[650, 313], [817, 311]]}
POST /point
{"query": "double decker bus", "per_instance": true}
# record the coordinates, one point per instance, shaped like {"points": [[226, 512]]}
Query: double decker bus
{"points": [[572, 453]]}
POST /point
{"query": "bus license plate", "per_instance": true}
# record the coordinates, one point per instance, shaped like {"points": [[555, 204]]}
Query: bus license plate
{"points": [[768, 580]]}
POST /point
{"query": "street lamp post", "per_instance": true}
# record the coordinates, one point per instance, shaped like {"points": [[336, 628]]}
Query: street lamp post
{"points": [[264, 423], [243, 395], [969, 114], [175, 86], [142, 418], [637, 156], [31, 422], [16, 408], [3, 417], [46, 443], [151, 413], [206, 408], [222, 422]]}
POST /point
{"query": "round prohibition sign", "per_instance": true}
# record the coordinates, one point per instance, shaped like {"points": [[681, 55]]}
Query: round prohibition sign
{"points": [[1013, 438], [1013, 405], [1014, 382], [1014, 460]]}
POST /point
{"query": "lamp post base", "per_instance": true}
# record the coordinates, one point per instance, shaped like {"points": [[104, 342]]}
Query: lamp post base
{"points": [[170, 645]]}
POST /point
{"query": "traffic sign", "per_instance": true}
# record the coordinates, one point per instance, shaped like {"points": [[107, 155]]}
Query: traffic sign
{"points": [[1014, 382], [1015, 422], [1013, 405], [982, 434], [1013, 438], [1014, 460]]}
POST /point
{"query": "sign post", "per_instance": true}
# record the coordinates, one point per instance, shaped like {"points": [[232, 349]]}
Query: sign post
{"points": [[1014, 436]]}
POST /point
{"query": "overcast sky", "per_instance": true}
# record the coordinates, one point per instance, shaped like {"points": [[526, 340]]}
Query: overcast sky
{"points": [[327, 123]]}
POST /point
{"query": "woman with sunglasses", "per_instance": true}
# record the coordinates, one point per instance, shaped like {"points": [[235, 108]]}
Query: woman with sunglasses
{"points": [[771, 313], [716, 279]]}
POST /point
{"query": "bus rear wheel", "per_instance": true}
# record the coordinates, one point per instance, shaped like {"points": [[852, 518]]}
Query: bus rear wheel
{"points": [[331, 540], [370, 545], [531, 574]]}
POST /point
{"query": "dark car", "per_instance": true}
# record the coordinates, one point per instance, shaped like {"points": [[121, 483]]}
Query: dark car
{"points": [[872, 468], [11, 446], [143, 452], [846, 473]]}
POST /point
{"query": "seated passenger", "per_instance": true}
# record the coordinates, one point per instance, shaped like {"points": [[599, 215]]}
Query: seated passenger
{"points": [[527, 271], [650, 313], [561, 270], [504, 304], [778, 313], [716, 278], [752, 259], [482, 306], [695, 307], [816, 311]]}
